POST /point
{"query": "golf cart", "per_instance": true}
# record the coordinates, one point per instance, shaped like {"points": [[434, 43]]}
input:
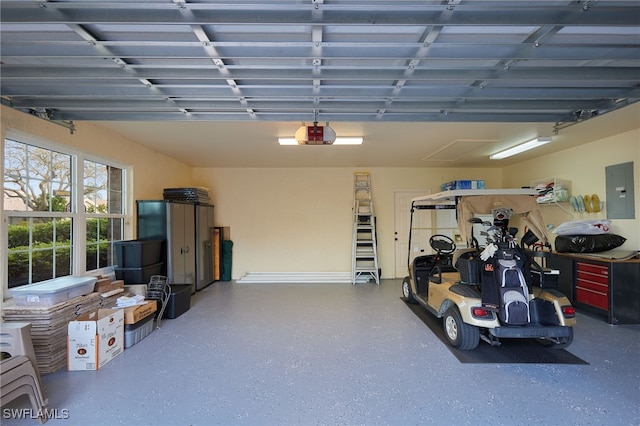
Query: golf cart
{"points": [[486, 291]]}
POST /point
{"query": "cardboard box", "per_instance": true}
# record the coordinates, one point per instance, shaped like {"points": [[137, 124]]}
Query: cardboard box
{"points": [[94, 339], [138, 289], [226, 232], [133, 314], [117, 284], [105, 285], [102, 285]]}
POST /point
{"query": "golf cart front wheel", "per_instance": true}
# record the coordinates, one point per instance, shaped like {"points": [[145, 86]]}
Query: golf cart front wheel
{"points": [[406, 290], [559, 343], [459, 334]]}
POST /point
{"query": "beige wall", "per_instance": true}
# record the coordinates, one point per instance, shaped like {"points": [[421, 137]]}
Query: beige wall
{"points": [[585, 166], [282, 220], [300, 219]]}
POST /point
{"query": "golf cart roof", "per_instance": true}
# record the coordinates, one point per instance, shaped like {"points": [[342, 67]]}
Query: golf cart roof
{"points": [[454, 194], [468, 202]]}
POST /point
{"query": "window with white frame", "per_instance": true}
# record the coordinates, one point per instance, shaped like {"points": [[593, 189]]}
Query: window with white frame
{"points": [[103, 208], [63, 212]]}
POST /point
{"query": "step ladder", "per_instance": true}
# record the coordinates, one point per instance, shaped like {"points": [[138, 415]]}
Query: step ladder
{"points": [[364, 265]]}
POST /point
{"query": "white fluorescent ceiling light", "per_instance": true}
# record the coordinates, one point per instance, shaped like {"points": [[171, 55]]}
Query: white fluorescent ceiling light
{"points": [[348, 141], [534, 143]]}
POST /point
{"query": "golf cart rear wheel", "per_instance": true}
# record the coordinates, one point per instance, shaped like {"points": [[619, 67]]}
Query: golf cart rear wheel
{"points": [[406, 290], [559, 343], [459, 334]]}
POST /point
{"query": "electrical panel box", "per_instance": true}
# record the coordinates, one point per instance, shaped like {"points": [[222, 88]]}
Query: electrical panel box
{"points": [[620, 191]]}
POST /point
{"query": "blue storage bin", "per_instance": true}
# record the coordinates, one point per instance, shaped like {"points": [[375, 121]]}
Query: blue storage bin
{"points": [[462, 184]]}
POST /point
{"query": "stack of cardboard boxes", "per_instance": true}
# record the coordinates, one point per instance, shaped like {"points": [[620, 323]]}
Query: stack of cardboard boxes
{"points": [[138, 322], [49, 328], [94, 339], [97, 337]]}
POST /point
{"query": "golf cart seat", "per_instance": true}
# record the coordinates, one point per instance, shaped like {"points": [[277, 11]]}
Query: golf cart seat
{"points": [[431, 266], [464, 253], [424, 262], [468, 263], [423, 268]]}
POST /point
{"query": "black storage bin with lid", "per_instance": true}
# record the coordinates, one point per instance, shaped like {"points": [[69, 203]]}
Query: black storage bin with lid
{"points": [[138, 275], [138, 253], [179, 301]]}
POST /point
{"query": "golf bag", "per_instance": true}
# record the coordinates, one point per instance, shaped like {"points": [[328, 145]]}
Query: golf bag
{"points": [[504, 287]]}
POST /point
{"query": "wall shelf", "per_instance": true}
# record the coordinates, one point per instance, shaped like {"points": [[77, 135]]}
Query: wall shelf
{"points": [[561, 205], [552, 190]]}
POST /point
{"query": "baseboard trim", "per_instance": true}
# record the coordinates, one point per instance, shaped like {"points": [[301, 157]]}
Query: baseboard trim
{"points": [[295, 277]]}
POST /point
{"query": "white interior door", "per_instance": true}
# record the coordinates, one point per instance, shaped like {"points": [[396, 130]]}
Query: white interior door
{"points": [[402, 215]]}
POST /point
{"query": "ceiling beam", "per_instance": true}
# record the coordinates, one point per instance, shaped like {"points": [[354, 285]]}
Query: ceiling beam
{"points": [[304, 72], [284, 93], [330, 51], [159, 104], [603, 13], [301, 116]]}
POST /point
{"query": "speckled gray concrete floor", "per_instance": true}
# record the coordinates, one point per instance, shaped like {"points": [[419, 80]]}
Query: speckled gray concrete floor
{"points": [[337, 354]]}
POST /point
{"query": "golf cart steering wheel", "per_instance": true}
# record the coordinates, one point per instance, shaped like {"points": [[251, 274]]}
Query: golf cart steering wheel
{"points": [[442, 244]]}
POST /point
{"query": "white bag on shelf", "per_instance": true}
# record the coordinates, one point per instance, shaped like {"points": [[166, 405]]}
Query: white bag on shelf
{"points": [[584, 227]]}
